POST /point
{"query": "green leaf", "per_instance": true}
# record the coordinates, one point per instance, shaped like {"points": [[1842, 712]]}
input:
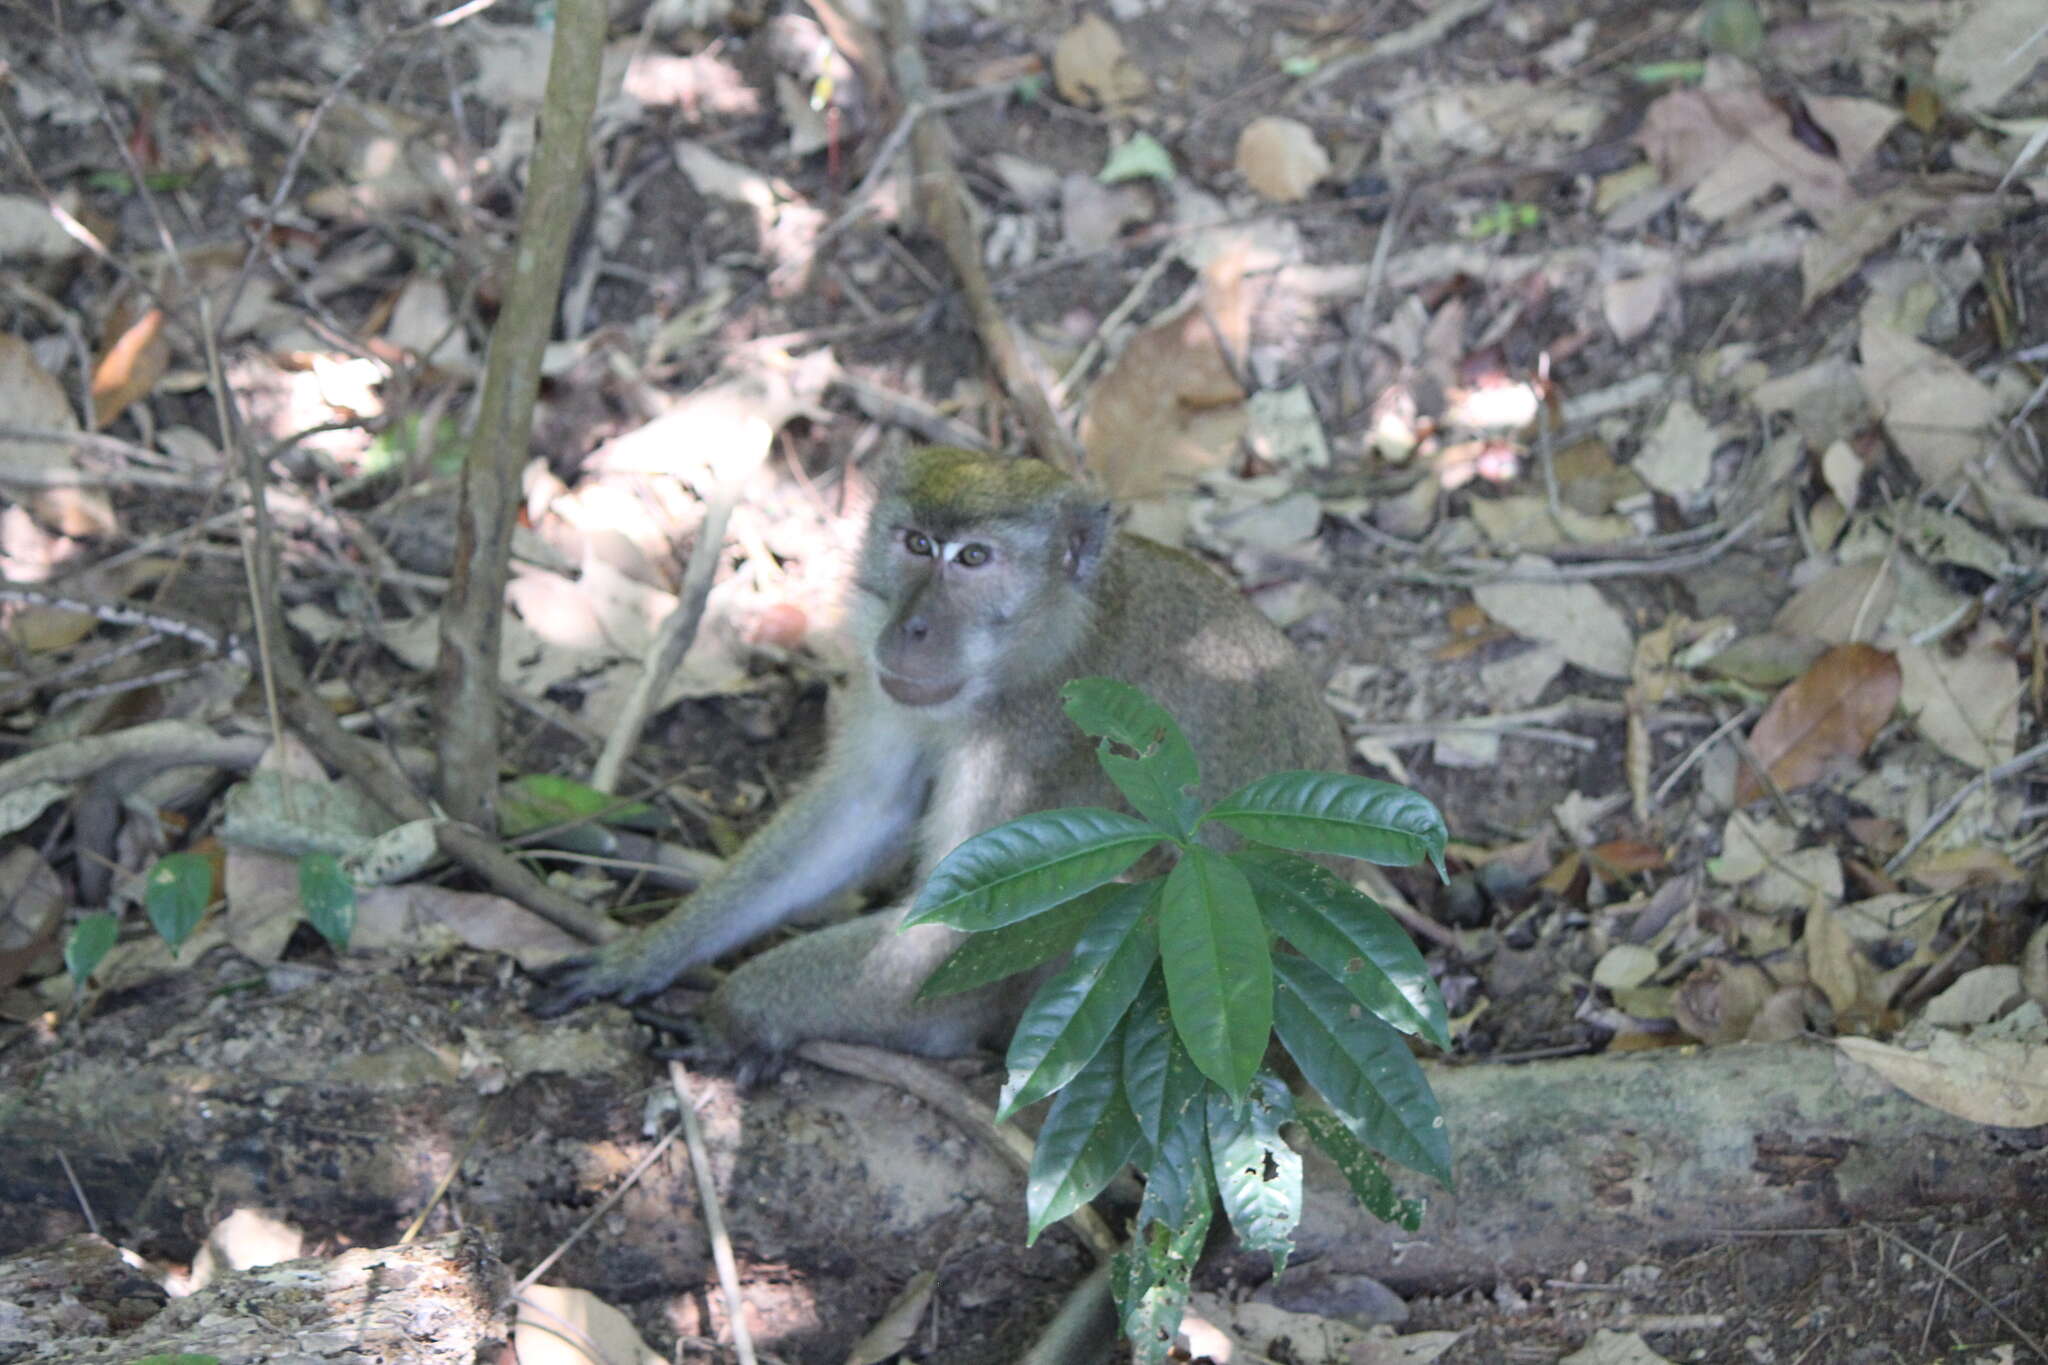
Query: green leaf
{"points": [[328, 897], [1016, 870], [1018, 947], [1257, 1173], [1361, 1168], [1078, 1008], [1362, 1068], [1140, 158], [1150, 1282], [1180, 1181], [179, 889], [91, 940], [1352, 937], [1337, 813], [1161, 1081], [545, 801], [1161, 782], [1088, 1136], [1219, 972]]}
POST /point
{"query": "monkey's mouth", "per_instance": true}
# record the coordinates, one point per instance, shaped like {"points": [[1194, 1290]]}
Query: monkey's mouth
{"points": [[918, 691]]}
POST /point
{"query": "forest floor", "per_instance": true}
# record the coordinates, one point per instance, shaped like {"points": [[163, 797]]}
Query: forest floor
{"points": [[1634, 412]]}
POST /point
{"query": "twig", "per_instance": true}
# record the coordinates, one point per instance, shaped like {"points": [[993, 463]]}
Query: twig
{"points": [[714, 1216], [604, 1205], [1116, 319], [157, 619], [673, 640], [904, 410], [2033, 1344], [943, 202], [156, 745], [472, 621], [441, 1187], [92, 1222], [2017, 764], [1699, 751]]}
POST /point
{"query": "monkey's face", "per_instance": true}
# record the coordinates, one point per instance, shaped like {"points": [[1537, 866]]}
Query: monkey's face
{"points": [[976, 576], [951, 602]]}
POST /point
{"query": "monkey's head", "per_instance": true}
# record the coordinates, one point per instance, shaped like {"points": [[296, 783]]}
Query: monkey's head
{"points": [[977, 574]]}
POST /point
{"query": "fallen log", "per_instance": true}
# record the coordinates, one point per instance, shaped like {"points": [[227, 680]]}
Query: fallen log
{"points": [[343, 1103]]}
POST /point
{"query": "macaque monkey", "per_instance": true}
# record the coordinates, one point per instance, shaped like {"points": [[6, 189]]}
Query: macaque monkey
{"points": [[983, 585]]}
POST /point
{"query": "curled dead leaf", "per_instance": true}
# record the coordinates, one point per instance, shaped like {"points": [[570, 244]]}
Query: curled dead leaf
{"points": [[1090, 67], [1281, 159], [1831, 712], [1717, 1002], [130, 367]]}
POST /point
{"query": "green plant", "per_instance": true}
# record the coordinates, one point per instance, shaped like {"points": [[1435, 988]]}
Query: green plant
{"points": [[178, 892], [1150, 1039]]}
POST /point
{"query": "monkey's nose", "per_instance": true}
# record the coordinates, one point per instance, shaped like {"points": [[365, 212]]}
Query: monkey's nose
{"points": [[916, 627]]}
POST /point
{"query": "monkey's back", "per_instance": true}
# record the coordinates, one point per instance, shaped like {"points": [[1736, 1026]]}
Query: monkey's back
{"points": [[1168, 624]]}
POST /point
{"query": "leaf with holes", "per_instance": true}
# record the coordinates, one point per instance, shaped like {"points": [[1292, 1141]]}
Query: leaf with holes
{"points": [[1161, 781]]}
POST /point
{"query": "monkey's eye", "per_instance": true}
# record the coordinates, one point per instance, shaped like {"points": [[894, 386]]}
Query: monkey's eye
{"points": [[918, 543], [972, 556]]}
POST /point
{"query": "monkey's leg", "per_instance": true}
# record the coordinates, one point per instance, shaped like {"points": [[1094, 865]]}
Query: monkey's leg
{"points": [[855, 982]]}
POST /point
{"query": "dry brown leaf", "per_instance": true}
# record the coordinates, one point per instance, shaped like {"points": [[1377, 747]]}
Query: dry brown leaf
{"points": [[1838, 250], [1731, 144], [32, 903], [1171, 408], [31, 397], [1090, 67], [1968, 704], [1281, 159], [1995, 47], [1678, 457], [2034, 966], [1588, 629], [1619, 858], [130, 368], [1831, 958], [1952, 869], [1938, 416], [1624, 966], [1718, 1001], [1976, 997], [1848, 602], [898, 1327], [1782, 1017], [1632, 303], [1831, 713], [1771, 659], [1996, 1081]]}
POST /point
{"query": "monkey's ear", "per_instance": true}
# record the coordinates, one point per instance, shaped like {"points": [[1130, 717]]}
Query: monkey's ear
{"points": [[1088, 526]]}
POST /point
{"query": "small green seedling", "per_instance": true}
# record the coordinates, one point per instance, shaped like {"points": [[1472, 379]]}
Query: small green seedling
{"points": [[1150, 1039]]}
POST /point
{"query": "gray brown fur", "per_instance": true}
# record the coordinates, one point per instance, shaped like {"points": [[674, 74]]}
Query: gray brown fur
{"points": [[1059, 596]]}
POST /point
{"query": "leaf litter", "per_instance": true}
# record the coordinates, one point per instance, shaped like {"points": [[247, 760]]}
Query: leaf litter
{"points": [[1509, 291]]}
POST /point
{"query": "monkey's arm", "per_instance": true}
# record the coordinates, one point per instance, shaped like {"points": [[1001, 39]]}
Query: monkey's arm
{"points": [[853, 819]]}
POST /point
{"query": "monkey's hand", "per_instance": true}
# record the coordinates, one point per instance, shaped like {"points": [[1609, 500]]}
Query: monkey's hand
{"points": [[630, 967]]}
